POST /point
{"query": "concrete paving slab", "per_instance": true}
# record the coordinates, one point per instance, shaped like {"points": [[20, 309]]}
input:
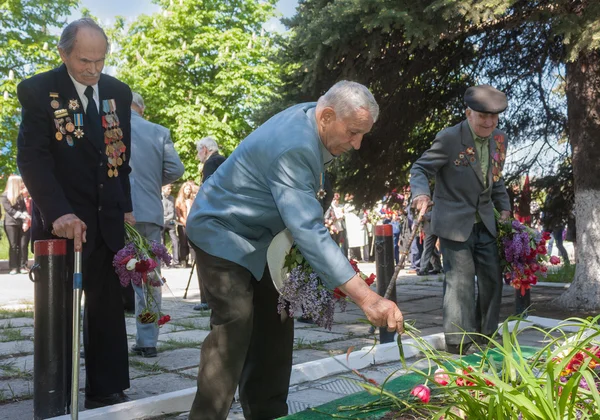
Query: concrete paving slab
{"points": [[309, 336], [306, 355], [187, 335], [177, 359], [152, 385], [16, 410], [16, 347], [23, 363], [188, 323], [15, 388], [16, 322], [354, 329], [341, 347]]}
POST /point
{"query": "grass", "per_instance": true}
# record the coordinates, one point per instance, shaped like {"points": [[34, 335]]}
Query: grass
{"points": [[17, 313], [9, 371], [178, 344], [189, 325], [300, 344], [12, 334], [146, 367], [564, 274]]}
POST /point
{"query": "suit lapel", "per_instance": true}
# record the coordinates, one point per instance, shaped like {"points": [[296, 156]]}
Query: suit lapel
{"points": [[467, 141]]}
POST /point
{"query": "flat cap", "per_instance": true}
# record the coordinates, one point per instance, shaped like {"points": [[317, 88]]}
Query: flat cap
{"points": [[484, 98]]}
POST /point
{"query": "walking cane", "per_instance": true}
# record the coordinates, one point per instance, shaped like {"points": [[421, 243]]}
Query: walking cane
{"points": [[404, 254], [189, 279], [77, 286]]}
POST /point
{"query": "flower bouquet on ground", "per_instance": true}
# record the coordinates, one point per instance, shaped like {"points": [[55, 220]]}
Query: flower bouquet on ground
{"points": [[523, 254], [559, 381], [304, 292], [137, 263]]}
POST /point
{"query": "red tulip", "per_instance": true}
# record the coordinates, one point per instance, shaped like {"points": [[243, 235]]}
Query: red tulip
{"points": [[554, 260], [543, 269], [534, 267], [547, 236], [541, 249], [441, 377], [422, 392]]}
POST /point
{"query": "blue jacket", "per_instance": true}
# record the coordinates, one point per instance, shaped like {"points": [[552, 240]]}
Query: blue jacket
{"points": [[269, 183], [154, 163]]}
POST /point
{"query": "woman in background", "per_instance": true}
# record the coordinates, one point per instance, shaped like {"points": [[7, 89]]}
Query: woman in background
{"points": [[16, 223], [183, 203]]}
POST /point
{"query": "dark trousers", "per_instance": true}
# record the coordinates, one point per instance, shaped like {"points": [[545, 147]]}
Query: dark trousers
{"points": [[464, 311], [200, 285], [184, 246], [367, 249], [18, 242], [430, 255], [249, 344], [397, 247], [416, 249], [104, 334], [557, 233], [171, 231]]}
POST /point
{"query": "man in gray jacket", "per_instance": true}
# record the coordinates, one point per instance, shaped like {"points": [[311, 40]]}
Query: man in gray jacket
{"points": [[467, 161], [155, 163]]}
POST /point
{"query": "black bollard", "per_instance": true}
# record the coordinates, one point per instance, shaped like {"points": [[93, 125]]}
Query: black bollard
{"points": [[52, 330], [522, 303], [384, 261]]}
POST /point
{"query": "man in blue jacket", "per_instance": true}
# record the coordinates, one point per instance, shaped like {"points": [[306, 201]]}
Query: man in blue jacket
{"points": [[269, 183]]}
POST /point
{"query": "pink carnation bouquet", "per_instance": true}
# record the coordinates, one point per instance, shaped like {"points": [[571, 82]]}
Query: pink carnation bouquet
{"points": [[137, 262]]}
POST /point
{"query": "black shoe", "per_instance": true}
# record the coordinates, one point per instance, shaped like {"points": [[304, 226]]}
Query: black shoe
{"points": [[144, 351], [201, 307], [421, 273], [434, 272], [458, 348], [105, 400]]}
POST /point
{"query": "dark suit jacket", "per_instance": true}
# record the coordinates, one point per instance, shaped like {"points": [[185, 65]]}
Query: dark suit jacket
{"points": [[66, 179], [210, 166]]}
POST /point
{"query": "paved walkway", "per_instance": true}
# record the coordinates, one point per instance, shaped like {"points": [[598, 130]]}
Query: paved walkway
{"points": [[177, 364]]}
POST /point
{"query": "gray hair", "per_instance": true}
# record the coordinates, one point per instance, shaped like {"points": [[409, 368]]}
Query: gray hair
{"points": [[67, 38], [345, 97], [138, 100], [209, 143]]}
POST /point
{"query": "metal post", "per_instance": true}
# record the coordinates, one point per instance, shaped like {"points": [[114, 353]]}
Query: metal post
{"points": [[52, 330], [522, 303], [77, 286], [384, 261]]}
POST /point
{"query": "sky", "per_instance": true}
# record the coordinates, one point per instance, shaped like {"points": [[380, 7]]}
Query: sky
{"points": [[106, 10]]}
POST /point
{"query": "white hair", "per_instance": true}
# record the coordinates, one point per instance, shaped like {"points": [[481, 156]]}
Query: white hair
{"points": [[209, 143], [138, 100], [69, 34], [346, 97]]}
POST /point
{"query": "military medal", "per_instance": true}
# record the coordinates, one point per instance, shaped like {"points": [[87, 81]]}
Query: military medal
{"points": [[73, 104], [115, 148], [54, 102], [70, 141], [58, 136], [70, 127], [61, 113], [78, 119]]}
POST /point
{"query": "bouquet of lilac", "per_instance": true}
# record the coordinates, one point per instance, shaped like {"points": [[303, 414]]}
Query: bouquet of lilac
{"points": [[137, 263], [523, 254], [304, 292]]}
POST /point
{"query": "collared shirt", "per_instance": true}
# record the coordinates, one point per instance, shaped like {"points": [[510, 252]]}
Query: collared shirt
{"points": [[80, 87], [482, 146]]}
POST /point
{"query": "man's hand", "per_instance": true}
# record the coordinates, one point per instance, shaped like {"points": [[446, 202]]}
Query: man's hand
{"points": [[421, 203], [504, 215], [379, 311], [71, 227], [129, 218]]}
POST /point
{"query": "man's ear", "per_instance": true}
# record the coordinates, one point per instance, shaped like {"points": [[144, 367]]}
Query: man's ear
{"points": [[328, 115]]}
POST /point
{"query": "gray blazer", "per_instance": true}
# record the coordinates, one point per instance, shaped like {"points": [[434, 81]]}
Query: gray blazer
{"points": [[269, 182], [154, 163], [459, 188]]}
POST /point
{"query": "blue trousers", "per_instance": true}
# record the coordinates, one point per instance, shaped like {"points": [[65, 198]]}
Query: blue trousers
{"points": [[147, 334], [463, 310]]}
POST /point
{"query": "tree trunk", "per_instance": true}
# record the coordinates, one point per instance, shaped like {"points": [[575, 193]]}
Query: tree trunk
{"points": [[583, 102]]}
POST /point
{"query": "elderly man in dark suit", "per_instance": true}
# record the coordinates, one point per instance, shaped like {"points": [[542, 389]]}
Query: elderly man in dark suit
{"points": [[73, 154], [467, 161], [208, 154]]}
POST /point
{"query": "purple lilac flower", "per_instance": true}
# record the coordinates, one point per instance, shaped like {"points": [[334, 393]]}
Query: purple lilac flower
{"points": [[303, 292], [160, 251], [125, 276], [517, 225]]}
